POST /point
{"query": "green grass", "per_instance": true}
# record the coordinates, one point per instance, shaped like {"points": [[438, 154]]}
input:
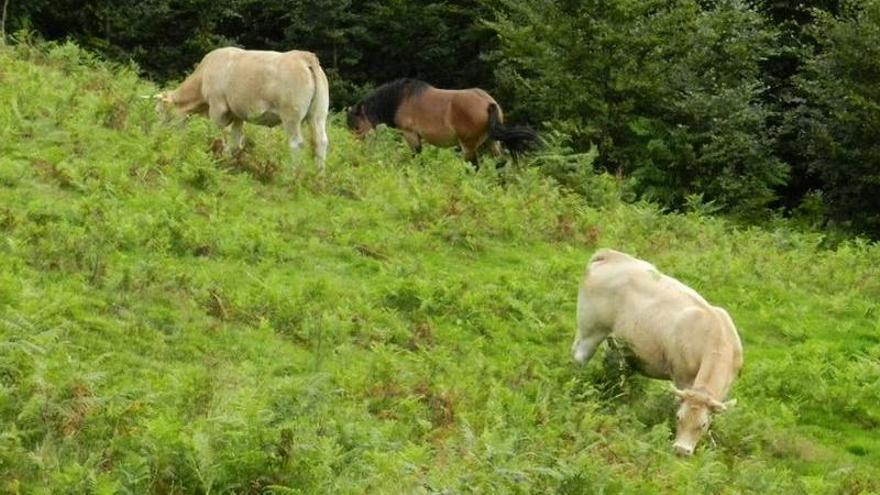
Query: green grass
{"points": [[176, 321]]}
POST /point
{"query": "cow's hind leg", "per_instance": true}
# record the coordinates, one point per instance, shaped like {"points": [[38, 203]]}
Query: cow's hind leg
{"points": [[585, 346], [218, 112], [318, 123], [589, 333], [293, 129], [318, 109], [236, 137]]}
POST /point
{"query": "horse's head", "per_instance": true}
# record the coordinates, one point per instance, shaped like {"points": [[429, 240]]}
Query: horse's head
{"points": [[357, 121]]}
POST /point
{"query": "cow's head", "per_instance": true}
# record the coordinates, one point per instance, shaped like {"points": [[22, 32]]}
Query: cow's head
{"points": [[357, 120], [164, 105], [694, 417]]}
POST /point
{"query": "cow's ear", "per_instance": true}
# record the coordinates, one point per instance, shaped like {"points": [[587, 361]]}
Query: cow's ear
{"points": [[722, 406], [678, 392]]}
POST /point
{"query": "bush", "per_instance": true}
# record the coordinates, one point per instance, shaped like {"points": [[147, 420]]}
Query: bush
{"points": [[838, 120], [669, 93]]}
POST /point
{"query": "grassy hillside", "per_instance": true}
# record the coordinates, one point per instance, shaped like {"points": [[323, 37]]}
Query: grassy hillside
{"points": [[177, 321]]}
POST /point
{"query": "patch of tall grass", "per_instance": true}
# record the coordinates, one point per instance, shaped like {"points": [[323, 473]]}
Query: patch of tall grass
{"points": [[173, 319]]}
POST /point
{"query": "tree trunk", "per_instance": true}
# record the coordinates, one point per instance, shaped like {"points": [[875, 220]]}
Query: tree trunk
{"points": [[3, 23]]}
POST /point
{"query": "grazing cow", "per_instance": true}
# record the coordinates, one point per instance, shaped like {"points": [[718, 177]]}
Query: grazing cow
{"points": [[672, 332], [268, 88]]}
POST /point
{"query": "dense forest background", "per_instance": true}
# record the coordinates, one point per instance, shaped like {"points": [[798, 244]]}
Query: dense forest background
{"points": [[748, 108]]}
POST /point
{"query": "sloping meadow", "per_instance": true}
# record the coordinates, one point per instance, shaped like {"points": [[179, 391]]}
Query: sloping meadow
{"points": [[176, 320]]}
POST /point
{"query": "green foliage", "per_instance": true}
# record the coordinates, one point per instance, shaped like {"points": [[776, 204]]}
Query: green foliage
{"points": [[669, 93], [735, 102], [176, 321], [359, 43], [838, 116]]}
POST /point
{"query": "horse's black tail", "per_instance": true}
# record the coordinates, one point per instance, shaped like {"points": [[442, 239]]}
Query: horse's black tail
{"points": [[517, 139]]}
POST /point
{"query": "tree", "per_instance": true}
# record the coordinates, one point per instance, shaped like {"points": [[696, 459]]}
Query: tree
{"points": [[837, 123], [359, 43], [3, 22], [670, 92], [794, 45]]}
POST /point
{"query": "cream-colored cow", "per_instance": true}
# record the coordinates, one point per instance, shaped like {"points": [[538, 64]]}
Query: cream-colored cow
{"points": [[671, 330], [268, 88]]}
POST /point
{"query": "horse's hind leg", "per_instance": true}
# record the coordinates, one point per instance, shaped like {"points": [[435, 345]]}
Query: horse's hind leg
{"points": [[470, 154], [495, 147]]}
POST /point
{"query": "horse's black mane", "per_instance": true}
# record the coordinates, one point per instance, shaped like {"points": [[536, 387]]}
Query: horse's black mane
{"points": [[380, 106]]}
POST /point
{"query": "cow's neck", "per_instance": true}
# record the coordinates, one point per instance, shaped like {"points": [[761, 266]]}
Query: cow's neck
{"points": [[188, 97], [714, 376]]}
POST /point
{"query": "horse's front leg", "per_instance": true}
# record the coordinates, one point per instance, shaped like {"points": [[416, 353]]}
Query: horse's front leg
{"points": [[414, 141]]}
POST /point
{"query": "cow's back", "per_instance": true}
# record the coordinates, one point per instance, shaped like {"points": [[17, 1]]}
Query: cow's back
{"points": [[254, 83], [631, 287], [665, 323]]}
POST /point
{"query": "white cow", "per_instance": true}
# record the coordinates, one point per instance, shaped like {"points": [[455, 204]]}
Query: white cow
{"points": [[671, 330], [268, 88]]}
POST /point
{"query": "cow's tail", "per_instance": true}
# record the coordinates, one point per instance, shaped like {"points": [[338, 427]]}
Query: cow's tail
{"points": [[320, 106], [517, 139], [319, 109]]}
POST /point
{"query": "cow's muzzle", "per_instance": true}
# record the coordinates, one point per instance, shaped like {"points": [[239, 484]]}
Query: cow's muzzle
{"points": [[683, 450]]}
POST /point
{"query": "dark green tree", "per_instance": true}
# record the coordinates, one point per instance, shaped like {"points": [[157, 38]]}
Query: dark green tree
{"points": [[837, 124], [670, 92], [360, 43], [794, 45]]}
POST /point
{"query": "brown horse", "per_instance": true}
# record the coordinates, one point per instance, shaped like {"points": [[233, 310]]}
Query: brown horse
{"points": [[443, 117]]}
